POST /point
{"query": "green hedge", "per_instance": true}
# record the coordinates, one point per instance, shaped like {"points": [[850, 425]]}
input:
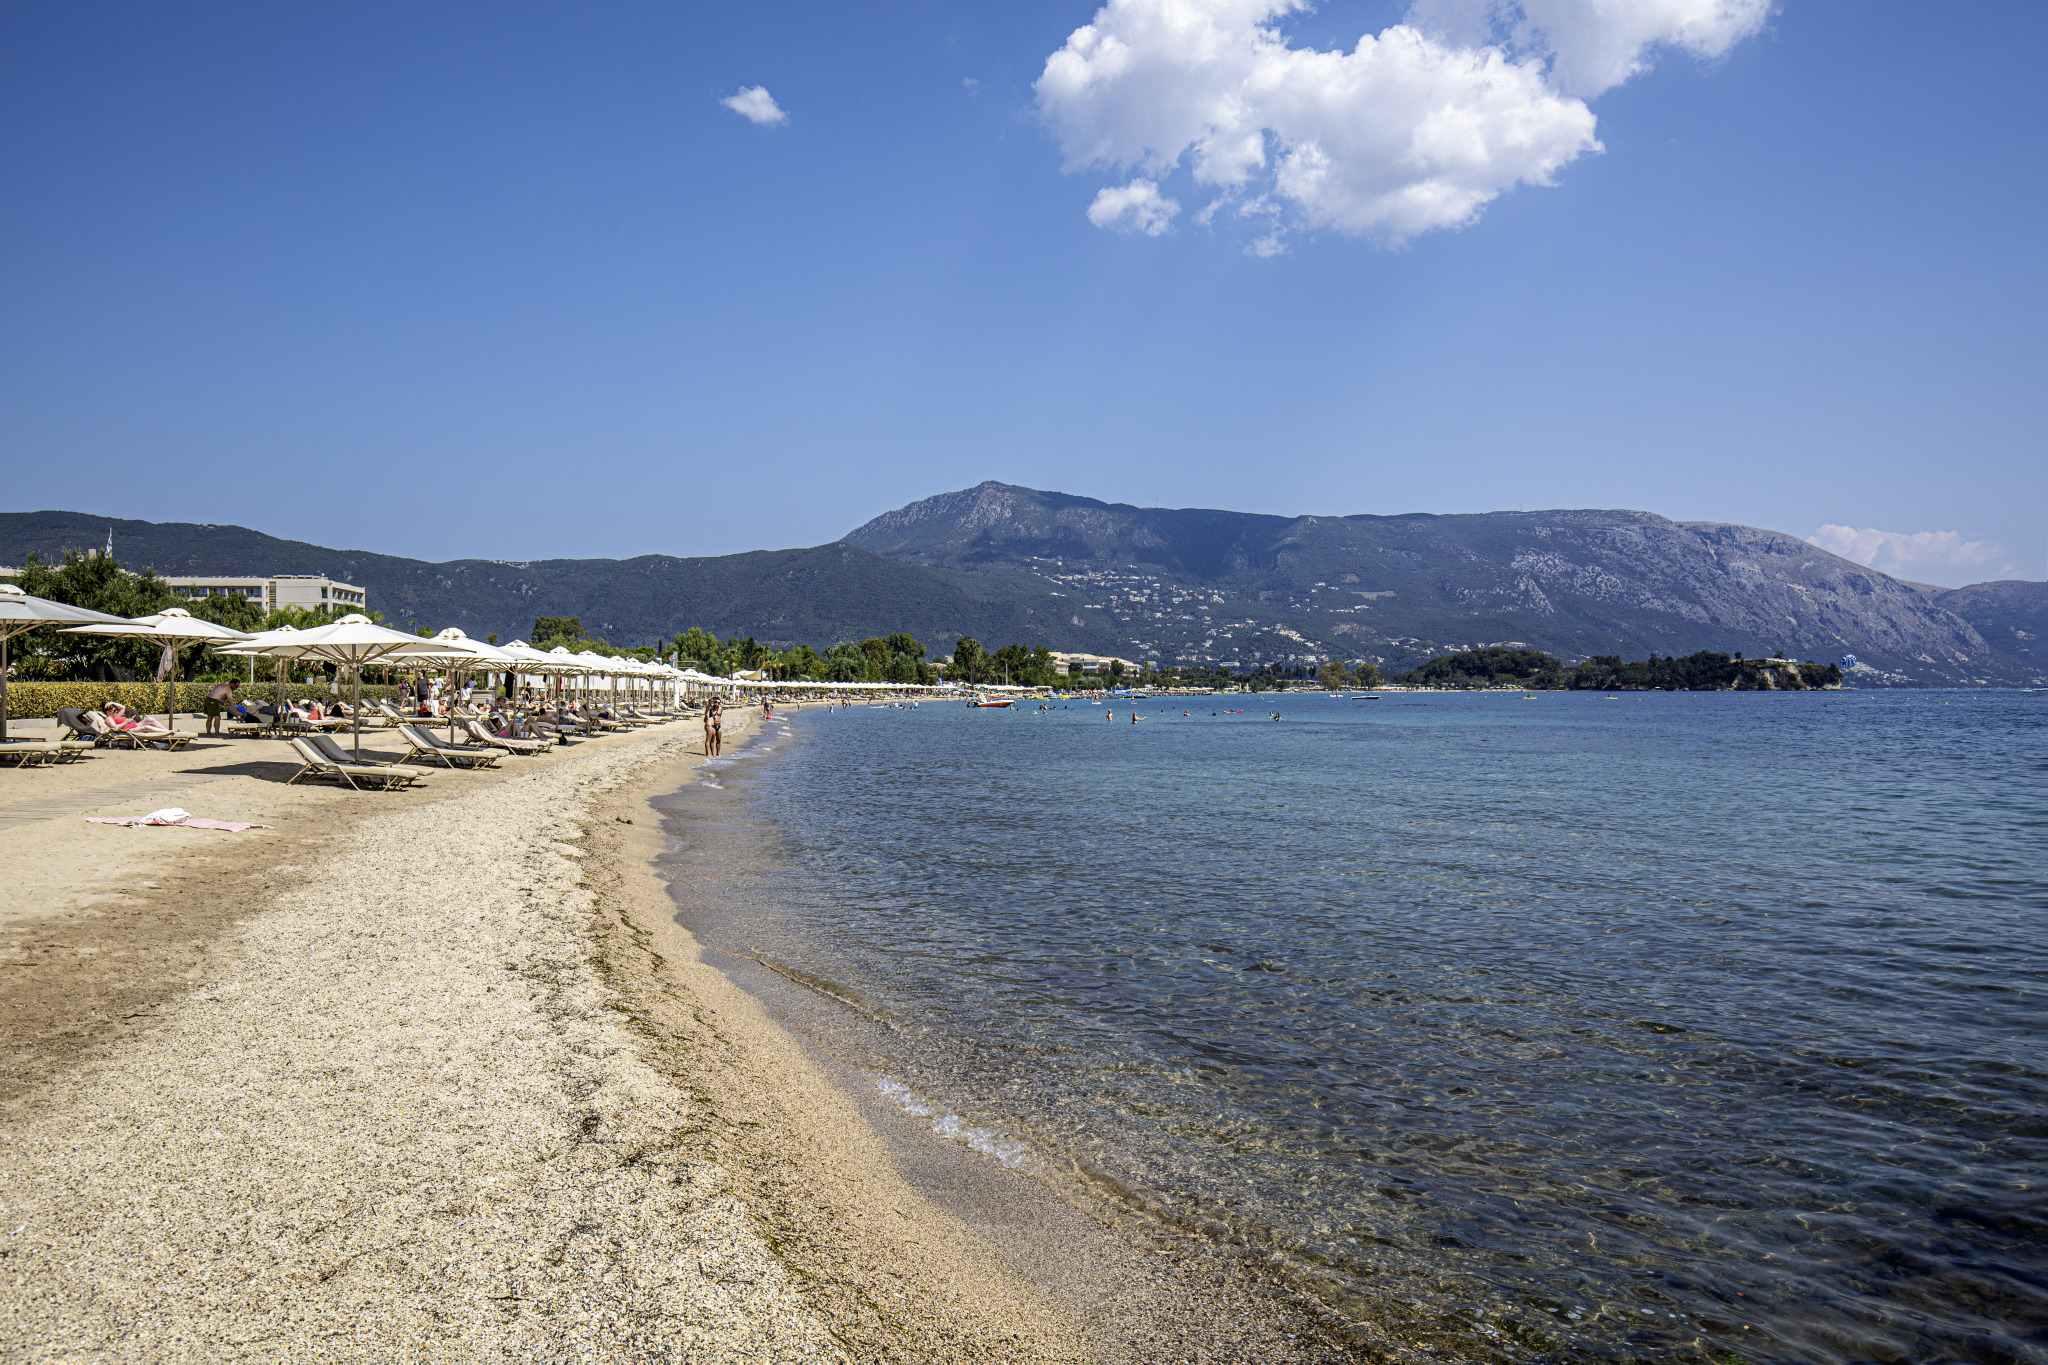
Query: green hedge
{"points": [[30, 700]]}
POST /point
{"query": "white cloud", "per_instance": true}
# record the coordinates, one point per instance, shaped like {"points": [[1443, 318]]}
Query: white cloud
{"points": [[1594, 45], [1931, 556], [1136, 207], [756, 105], [1414, 129]]}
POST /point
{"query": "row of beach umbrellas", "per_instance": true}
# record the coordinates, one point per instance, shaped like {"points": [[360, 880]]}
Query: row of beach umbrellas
{"points": [[350, 643]]}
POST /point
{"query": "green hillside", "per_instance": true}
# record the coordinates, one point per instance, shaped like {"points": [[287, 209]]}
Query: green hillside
{"points": [[781, 597]]}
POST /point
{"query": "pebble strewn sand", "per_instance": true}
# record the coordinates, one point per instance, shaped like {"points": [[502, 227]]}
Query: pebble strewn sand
{"points": [[395, 1120]]}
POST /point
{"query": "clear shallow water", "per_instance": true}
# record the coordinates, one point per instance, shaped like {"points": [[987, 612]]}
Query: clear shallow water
{"points": [[1667, 1027]]}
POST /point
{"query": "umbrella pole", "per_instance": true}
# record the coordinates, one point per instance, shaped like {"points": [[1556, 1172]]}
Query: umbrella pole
{"points": [[355, 706], [3, 689]]}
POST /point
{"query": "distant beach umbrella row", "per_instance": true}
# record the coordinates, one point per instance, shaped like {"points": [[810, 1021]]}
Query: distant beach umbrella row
{"points": [[355, 640]]}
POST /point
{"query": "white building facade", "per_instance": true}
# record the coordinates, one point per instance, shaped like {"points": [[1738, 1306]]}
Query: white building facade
{"points": [[307, 591], [1091, 663]]}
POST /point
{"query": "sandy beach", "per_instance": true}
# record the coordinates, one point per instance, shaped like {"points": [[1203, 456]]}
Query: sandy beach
{"points": [[436, 1075]]}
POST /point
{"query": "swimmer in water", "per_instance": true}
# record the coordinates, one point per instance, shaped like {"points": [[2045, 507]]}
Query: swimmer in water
{"points": [[1134, 717]]}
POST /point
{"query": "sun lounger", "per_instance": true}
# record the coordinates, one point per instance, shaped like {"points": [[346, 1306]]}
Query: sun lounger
{"points": [[28, 753], [104, 733], [448, 755], [383, 776], [331, 749], [478, 732], [109, 733], [74, 737]]}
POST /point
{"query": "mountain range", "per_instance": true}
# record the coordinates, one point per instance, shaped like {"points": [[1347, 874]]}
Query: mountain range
{"points": [[1181, 585], [1205, 584]]}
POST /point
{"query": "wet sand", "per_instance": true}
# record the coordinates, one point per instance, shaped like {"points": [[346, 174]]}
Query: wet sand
{"points": [[902, 1230]]}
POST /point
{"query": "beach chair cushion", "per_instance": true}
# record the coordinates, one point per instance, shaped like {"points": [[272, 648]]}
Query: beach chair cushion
{"points": [[424, 743], [319, 764], [476, 731]]}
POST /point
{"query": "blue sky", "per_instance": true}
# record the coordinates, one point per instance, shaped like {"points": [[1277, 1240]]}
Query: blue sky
{"points": [[510, 281]]}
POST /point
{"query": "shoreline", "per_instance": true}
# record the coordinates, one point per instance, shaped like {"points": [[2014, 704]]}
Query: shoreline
{"points": [[438, 1075], [1136, 1289]]}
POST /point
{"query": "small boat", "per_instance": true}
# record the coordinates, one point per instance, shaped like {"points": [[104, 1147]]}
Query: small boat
{"points": [[984, 701]]}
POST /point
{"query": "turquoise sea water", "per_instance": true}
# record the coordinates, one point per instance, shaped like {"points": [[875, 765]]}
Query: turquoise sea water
{"points": [[1678, 1026]]}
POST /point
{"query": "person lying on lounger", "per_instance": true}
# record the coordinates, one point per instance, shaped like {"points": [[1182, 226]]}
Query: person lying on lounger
{"points": [[119, 717]]}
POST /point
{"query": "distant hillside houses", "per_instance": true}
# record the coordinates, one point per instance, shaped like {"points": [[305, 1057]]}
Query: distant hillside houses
{"points": [[1090, 663]]}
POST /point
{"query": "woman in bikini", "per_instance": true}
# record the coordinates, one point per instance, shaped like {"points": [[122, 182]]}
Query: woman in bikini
{"points": [[117, 716]]}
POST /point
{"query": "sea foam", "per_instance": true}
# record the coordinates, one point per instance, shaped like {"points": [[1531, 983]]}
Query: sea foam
{"points": [[1006, 1151]]}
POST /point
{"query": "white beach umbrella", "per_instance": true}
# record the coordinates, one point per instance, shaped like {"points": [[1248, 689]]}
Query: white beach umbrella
{"points": [[19, 611], [174, 628], [460, 653], [281, 661], [526, 659], [572, 667], [351, 642], [599, 666], [637, 673], [454, 647]]}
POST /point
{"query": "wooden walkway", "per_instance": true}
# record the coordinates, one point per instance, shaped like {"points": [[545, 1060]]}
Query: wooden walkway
{"points": [[145, 795]]}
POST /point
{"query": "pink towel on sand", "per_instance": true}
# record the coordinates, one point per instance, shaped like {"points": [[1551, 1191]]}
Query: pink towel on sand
{"points": [[189, 821]]}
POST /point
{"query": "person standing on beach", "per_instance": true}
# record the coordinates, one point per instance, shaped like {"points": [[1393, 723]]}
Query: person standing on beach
{"points": [[218, 698]]}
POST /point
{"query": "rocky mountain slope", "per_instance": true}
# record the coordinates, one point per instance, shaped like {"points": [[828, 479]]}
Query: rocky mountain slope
{"points": [[1221, 586], [2012, 616], [1189, 585]]}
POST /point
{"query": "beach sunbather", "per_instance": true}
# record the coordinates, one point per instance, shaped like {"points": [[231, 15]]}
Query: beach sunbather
{"points": [[121, 719]]}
